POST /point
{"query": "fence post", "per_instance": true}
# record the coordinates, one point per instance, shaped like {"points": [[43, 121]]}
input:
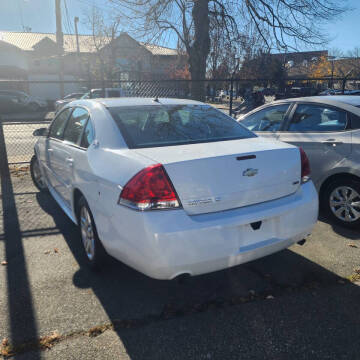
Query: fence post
{"points": [[231, 95], [343, 85]]}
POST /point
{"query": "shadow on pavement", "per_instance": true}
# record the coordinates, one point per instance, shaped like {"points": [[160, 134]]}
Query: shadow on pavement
{"points": [[313, 313], [353, 234], [20, 303]]}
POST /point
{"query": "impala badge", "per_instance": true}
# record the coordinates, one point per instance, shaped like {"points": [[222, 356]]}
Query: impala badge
{"points": [[250, 172]]}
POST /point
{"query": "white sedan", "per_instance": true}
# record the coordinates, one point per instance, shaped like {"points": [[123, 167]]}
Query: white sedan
{"points": [[173, 187]]}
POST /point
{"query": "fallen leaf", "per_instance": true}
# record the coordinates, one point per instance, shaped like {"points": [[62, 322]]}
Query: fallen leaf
{"points": [[56, 250], [4, 262], [269, 297], [357, 270], [5, 342], [47, 252], [352, 245]]}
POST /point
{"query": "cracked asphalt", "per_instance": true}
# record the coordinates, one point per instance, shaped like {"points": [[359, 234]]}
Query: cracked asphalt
{"points": [[297, 303]]}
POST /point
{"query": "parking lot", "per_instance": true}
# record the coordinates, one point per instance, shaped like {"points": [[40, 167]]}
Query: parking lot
{"points": [[300, 303]]}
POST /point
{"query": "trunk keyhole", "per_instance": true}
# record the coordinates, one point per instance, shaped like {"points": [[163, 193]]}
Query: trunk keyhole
{"points": [[256, 225]]}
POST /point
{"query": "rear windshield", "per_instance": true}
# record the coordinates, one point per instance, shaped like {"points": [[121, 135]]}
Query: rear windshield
{"points": [[154, 126]]}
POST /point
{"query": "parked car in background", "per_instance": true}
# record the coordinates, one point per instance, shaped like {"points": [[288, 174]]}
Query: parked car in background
{"points": [[328, 129], [352, 92], [296, 91], [17, 101], [173, 187], [77, 95], [91, 94], [339, 92], [330, 92]]}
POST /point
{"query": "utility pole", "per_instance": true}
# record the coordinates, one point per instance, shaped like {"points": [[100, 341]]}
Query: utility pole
{"points": [[60, 45], [76, 20]]}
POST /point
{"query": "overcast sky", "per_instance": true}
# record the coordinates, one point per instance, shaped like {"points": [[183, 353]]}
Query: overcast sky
{"points": [[39, 15]]}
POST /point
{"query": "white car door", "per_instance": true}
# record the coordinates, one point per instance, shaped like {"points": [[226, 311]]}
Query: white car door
{"points": [[69, 156], [53, 145], [323, 132], [267, 122]]}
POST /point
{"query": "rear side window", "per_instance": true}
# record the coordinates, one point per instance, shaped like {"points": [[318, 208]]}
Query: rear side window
{"points": [[317, 118], [355, 121], [153, 126], [268, 119], [76, 125], [88, 135], [58, 125]]}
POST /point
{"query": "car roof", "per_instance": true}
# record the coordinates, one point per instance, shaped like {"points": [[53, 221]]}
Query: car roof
{"points": [[136, 101], [345, 102], [334, 99]]}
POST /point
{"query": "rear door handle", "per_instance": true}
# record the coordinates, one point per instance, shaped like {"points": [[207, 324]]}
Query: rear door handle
{"points": [[70, 161], [50, 150], [331, 142]]}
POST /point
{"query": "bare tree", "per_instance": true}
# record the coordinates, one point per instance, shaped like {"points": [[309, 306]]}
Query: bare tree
{"points": [[282, 24], [104, 31]]}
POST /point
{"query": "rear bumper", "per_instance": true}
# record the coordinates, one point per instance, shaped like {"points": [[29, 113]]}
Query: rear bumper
{"points": [[165, 244]]}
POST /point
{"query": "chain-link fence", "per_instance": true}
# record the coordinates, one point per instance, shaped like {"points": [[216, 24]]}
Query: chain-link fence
{"points": [[28, 105], [19, 140]]}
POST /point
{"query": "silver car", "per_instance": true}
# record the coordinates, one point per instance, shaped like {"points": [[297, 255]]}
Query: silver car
{"points": [[328, 129]]}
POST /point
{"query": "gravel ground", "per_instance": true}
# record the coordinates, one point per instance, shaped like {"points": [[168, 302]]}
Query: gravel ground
{"points": [[295, 303]]}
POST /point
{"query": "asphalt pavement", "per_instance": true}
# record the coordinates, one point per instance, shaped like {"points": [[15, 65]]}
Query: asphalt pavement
{"points": [[298, 303]]}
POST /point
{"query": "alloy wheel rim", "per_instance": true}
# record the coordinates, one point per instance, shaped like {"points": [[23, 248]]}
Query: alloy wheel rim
{"points": [[37, 175], [87, 233], [345, 203]]}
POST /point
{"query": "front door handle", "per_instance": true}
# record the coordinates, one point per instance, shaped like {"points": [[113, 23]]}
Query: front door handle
{"points": [[50, 150]]}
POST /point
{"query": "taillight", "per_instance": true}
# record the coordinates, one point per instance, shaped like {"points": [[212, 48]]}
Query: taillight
{"points": [[305, 167], [150, 189]]}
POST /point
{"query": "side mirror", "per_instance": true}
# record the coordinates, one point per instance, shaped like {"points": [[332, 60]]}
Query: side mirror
{"points": [[40, 132]]}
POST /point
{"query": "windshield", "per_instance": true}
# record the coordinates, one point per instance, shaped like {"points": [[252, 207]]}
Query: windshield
{"points": [[153, 126]]}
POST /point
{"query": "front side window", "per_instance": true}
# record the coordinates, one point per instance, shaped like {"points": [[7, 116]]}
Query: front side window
{"points": [[317, 118], [75, 125], [152, 126], [268, 119], [58, 125]]}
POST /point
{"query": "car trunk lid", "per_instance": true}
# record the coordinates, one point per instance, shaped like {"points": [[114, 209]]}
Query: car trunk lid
{"points": [[218, 176]]}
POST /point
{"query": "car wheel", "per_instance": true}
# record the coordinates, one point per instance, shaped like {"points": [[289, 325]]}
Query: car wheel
{"points": [[36, 174], [341, 201], [34, 107], [94, 251]]}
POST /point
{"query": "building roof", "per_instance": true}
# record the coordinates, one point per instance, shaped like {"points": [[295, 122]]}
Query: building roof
{"points": [[27, 40], [159, 50]]}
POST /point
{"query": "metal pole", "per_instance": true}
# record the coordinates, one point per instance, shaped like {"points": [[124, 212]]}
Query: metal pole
{"points": [[231, 95], [76, 20], [60, 45]]}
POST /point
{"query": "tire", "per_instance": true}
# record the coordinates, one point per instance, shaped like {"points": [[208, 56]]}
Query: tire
{"points": [[94, 251], [341, 202], [34, 107], [36, 175]]}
